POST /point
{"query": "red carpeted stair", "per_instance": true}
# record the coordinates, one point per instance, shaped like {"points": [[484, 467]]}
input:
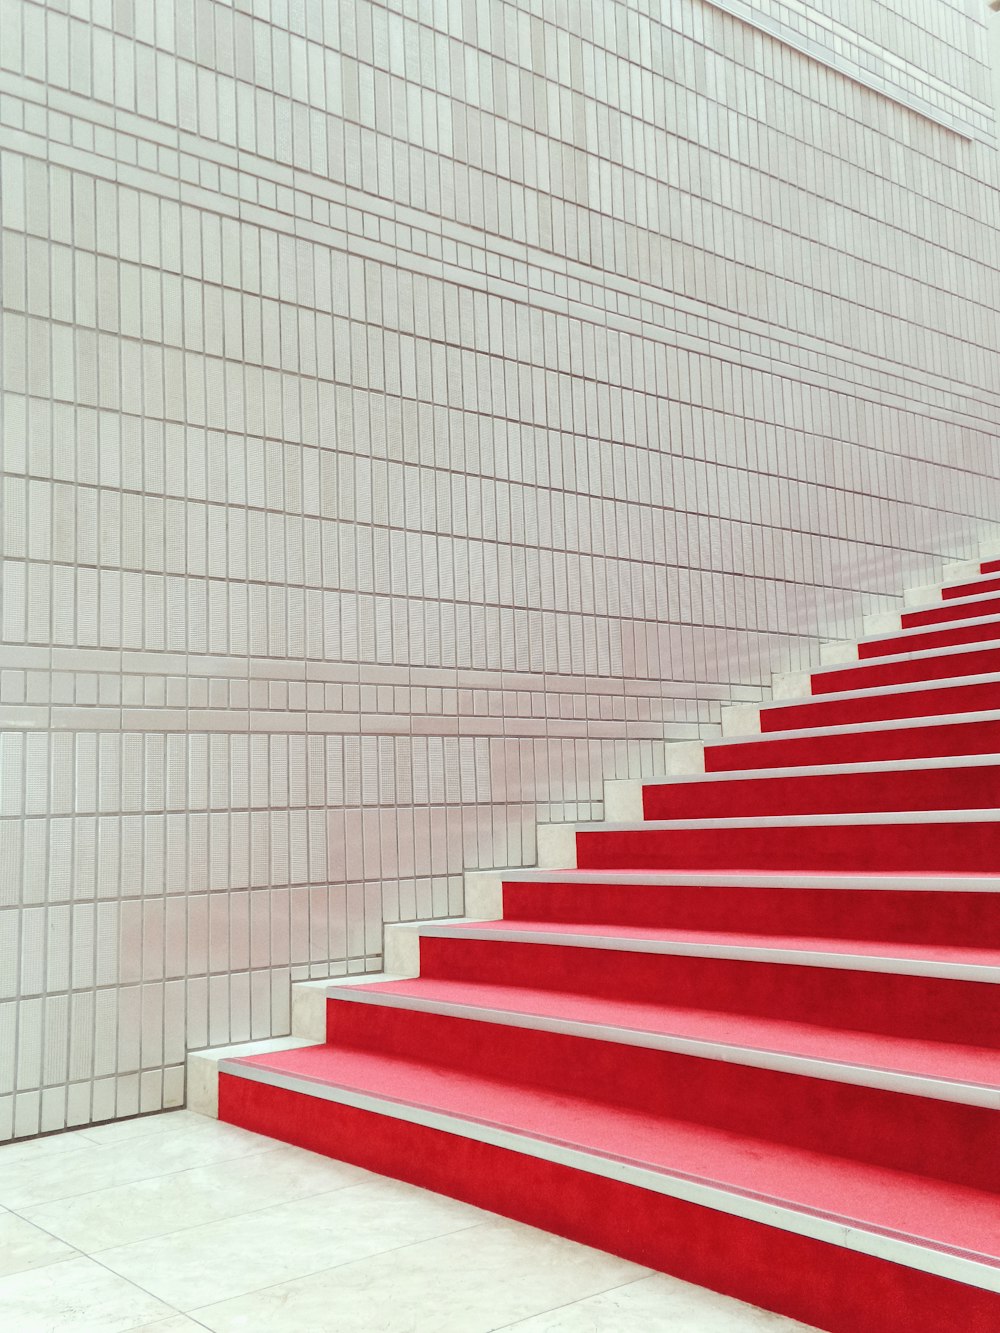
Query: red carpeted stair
{"points": [[751, 1038]]}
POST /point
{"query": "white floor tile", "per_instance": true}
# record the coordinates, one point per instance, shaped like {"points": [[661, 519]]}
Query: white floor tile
{"points": [[206, 1264], [155, 1207], [78, 1296], [23, 1246], [34, 1149], [27, 1180], [472, 1282], [657, 1304], [180, 1323], [139, 1127]]}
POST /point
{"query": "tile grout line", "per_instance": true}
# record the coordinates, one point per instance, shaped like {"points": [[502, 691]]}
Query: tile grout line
{"points": [[568, 1305], [255, 1291], [40, 1203]]}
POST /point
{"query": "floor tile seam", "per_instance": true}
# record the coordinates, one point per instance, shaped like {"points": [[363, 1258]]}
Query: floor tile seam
{"points": [[580, 1300], [182, 1314], [232, 1217], [87, 1132], [171, 1310], [174, 1310], [150, 1117], [41, 1203], [41, 1268], [247, 1212], [92, 1145], [77, 1252], [492, 1220], [178, 1314]]}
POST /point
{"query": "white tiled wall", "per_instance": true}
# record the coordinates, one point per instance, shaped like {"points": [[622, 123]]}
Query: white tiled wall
{"points": [[413, 413]]}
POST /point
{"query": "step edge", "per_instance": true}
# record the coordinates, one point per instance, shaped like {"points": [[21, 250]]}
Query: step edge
{"points": [[878, 964], [934, 593], [874, 692], [962, 1092], [919, 1253], [926, 763], [895, 659], [401, 941], [962, 581], [935, 627], [888, 818], [202, 1068], [778, 879], [864, 728]]}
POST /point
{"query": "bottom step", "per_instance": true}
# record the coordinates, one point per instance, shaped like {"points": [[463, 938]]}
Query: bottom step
{"points": [[832, 1243]]}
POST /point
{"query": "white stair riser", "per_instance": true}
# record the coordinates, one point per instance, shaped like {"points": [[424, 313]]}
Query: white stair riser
{"points": [[622, 800], [741, 720]]}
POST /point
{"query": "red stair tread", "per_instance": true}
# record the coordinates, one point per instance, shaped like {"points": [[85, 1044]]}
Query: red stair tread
{"points": [[970, 1064], [944, 664], [724, 939], [880, 741], [915, 1207], [970, 588], [928, 699], [951, 611], [944, 634]]}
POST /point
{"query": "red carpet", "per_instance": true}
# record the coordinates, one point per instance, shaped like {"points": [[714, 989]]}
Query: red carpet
{"points": [[752, 1040]]}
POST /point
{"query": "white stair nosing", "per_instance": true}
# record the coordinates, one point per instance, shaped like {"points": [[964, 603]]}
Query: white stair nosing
{"points": [[864, 728], [908, 608], [881, 964], [808, 1066], [844, 1233], [933, 594], [947, 763], [898, 659], [802, 1220], [202, 1068], [877, 691], [852, 819], [681, 878], [973, 578], [914, 630]]}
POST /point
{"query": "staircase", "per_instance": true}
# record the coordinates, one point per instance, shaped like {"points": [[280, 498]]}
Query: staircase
{"points": [[747, 1032]]}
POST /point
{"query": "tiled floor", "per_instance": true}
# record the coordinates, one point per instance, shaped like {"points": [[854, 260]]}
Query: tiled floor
{"points": [[174, 1222]]}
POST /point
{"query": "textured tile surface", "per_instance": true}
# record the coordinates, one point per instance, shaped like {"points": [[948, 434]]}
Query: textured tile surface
{"points": [[161, 1204], [413, 414], [24, 1246], [78, 1296], [506, 1271]]}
